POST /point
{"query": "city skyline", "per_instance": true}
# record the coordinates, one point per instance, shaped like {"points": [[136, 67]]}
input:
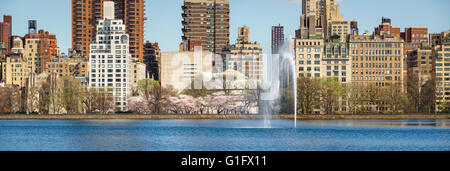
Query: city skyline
{"points": [[166, 29]]}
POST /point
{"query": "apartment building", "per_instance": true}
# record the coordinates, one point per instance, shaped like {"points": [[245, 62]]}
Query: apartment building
{"points": [[208, 20], [277, 38], [308, 57], [245, 57], [68, 66], [87, 13], [15, 70], [442, 54], [39, 49], [109, 59], [336, 61], [5, 35], [376, 60]]}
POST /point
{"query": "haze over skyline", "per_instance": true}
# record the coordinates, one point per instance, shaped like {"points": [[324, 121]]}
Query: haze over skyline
{"points": [[164, 17]]}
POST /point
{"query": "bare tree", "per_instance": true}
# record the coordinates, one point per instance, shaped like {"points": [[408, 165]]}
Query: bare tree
{"points": [[88, 99], [104, 102], [71, 95], [44, 98]]}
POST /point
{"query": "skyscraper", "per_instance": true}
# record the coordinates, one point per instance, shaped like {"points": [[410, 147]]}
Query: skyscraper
{"points": [[316, 18], [208, 20], [85, 16], [5, 35], [277, 38], [110, 60]]}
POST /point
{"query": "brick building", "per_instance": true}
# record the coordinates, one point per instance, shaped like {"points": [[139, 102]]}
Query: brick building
{"points": [[208, 20], [85, 16], [5, 35]]}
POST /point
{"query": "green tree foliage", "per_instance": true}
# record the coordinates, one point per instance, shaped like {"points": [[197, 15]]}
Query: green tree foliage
{"points": [[307, 95]]}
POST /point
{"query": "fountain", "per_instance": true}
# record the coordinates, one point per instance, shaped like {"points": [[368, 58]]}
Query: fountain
{"points": [[279, 71]]}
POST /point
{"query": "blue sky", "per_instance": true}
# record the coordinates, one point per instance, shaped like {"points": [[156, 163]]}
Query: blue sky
{"points": [[164, 17]]}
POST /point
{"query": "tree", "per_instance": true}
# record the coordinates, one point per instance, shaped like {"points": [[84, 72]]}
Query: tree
{"points": [[154, 94], [331, 93], [71, 95], [287, 100], [308, 95], [89, 97], [6, 99], [44, 99], [104, 102]]}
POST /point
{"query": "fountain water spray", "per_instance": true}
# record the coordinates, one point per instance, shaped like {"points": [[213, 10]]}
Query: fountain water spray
{"points": [[279, 71]]}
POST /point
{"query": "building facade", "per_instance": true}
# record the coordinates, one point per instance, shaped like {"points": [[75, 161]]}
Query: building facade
{"points": [[110, 60], [308, 57], [208, 20], [39, 49], [245, 57], [414, 38], [68, 66], [340, 29], [376, 60], [336, 61], [442, 54], [15, 70], [5, 35], [137, 74], [277, 38], [152, 60], [87, 13], [180, 69]]}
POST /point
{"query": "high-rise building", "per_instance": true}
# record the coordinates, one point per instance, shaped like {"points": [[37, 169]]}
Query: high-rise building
{"points": [[414, 38], [376, 60], [442, 53], [277, 38], [208, 20], [39, 49], [87, 13], [308, 55], [245, 57], [152, 59], [110, 60], [421, 64], [317, 15], [5, 35]]}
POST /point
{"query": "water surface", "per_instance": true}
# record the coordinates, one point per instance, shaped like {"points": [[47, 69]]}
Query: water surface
{"points": [[224, 135]]}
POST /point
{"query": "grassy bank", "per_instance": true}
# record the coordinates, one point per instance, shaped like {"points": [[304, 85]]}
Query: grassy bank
{"points": [[284, 116]]}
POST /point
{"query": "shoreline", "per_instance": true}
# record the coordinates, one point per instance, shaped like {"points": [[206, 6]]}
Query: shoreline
{"points": [[157, 117]]}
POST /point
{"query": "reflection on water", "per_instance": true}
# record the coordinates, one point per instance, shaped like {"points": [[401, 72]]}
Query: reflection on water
{"points": [[224, 135]]}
